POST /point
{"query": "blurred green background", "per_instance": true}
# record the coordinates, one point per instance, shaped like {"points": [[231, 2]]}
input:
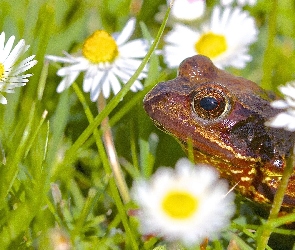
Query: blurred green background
{"points": [[32, 149]]}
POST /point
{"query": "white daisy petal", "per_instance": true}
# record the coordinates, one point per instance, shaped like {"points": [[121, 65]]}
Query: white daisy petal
{"points": [[173, 54], [17, 81], [123, 75], [97, 84], [61, 59], [88, 78], [128, 65], [187, 10], [291, 126], [18, 50], [72, 68], [24, 66], [126, 32], [226, 2], [106, 89], [288, 90], [218, 21], [28, 60], [281, 120], [279, 104], [221, 39], [7, 48], [128, 62], [187, 204], [107, 85], [67, 81], [11, 67], [2, 42], [285, 119], [115, 83], [241, 3], [103, 72], [137, 85], [128, 49], [3, 100]]}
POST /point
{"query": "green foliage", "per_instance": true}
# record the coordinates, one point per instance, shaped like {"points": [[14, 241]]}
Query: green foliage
{"points": [[56, 182]]}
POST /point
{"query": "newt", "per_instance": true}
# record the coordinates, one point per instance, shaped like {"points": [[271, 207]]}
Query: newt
{"points": [[223, 117]]}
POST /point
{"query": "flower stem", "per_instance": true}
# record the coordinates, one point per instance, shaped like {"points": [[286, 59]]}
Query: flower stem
{"points": [[265, 231], [269, 55], [108, 171], [112, 154], [70, 155]]}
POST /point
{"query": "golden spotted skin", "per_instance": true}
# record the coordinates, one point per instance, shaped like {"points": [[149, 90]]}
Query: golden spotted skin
{"points": [[223, 116]]}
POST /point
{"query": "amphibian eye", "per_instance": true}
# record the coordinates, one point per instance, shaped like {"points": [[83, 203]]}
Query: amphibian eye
{"points": [[210, 103]]}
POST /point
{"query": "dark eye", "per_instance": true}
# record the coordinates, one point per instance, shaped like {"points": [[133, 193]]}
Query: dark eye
{"points": [[210, 103]]}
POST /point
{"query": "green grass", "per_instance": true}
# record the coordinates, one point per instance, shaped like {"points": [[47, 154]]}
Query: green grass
{"points": [[55, 173]]}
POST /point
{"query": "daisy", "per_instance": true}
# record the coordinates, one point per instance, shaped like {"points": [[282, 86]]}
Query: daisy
{"points": [[11, 68], [182, 11], [107, 60], [239, 2], [285, 119], [225, 39], [187, 204], [187, 10]]}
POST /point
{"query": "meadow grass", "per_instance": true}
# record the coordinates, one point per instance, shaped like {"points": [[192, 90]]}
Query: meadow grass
{"points": [[56, 180]]}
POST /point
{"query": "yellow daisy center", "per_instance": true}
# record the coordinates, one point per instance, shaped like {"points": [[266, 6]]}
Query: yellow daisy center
{"points": [[100, 47], [179, 204], [2, 70], [211, 45]]}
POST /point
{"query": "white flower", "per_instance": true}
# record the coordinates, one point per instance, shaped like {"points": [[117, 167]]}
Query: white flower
{"points": [[285, 119], [187, 204], [186, 11], [106, 61], [11, 67], [239, 2], [225, 40]]}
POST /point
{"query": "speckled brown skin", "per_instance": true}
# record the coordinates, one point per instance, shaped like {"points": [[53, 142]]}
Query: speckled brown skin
{"points": [[229, 134]]}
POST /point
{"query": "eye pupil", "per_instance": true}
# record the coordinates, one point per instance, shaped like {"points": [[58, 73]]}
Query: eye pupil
{"points": [[208, 103]]}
